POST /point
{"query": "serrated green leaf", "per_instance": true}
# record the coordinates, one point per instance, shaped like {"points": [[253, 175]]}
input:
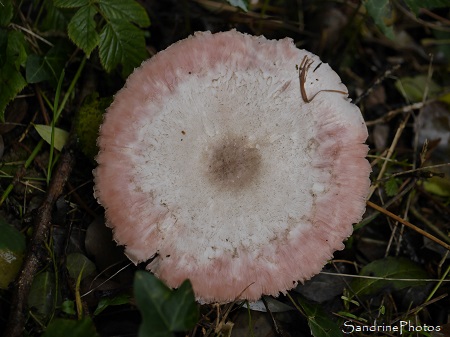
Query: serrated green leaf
{"points": [[14, 55], [6, 12], [164, 311], [82, 29], [12, 82], [71, 328], [12, 248], [128, 10], [381, 13], [415, 5], [70, 3], [60, 136], [16, 52], [391, 187], [319, 322], [77, 263], [121, 43], [54, 18], [242, 4], [385, 270]]}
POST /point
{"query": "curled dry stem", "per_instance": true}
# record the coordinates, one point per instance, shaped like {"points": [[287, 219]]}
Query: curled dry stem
{"points": [[303, 73]]}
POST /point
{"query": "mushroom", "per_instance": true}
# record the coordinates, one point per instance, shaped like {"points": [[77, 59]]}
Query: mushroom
{"points": [[234, 161]]}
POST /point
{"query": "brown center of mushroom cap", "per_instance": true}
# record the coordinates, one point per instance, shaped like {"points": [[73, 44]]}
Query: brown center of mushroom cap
{"points": [[233, 163]]}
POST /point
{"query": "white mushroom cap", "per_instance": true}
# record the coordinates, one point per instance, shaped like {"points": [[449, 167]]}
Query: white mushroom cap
{"points": [[212, 163]]}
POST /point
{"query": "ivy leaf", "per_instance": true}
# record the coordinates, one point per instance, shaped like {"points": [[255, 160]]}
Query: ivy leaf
{"points": [[42, 294], [49, 67], [319, 322], [242, 4], [126, 10], [121, 42], [70, 328], [70, 3], [164, 311], [385, 270], [82, 30], [381, 13], [416, 5]]}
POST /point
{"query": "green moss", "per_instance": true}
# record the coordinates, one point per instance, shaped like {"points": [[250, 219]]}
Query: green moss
{"points": [[87, 123]]}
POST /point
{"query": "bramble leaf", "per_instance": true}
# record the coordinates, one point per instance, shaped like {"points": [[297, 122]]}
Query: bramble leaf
{"points": [[126, 10], [12, 56], [70, 3], [82, 29], [163, 310], [121, 42], [390, 273]]}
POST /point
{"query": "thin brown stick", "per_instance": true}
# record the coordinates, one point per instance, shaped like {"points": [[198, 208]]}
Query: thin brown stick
{"points": [[408, 224], [42, 223], [302, 73]]}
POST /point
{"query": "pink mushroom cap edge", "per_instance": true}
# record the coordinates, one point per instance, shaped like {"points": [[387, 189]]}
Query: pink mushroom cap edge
{"points": [[265, 228]]}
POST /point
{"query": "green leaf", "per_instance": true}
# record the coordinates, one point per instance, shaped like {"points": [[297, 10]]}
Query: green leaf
{"points": [[48, 67], [68, 307], [164, 311], [77, 263], [82, 30], [15, 52], [242, 4], [391, 186], [121, 42], [11, 82], [55, 18], [71, 328], [319, 322], [385, 270], [11, 238], [6, 12], [14, 55], [12, 248], [381, 13], [127, 10], [60, 136], [42, 294], [438, 186], [106, 302], [412, 88], [415, 5], [70, 3]]}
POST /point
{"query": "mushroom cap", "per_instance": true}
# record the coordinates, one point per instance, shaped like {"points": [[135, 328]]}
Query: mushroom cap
{"points": [[213, 166]]}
